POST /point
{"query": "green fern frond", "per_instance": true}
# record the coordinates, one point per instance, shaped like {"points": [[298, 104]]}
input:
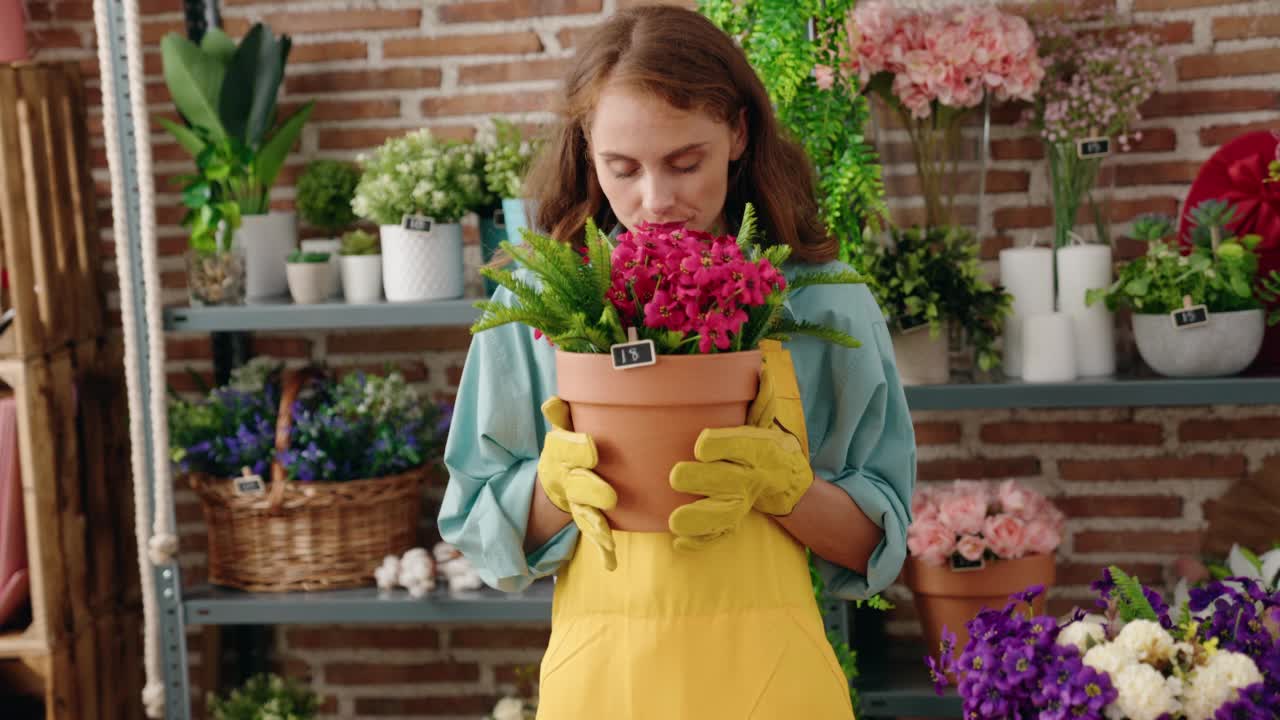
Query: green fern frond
{"points": [[499, 315], [777, 254], [747, 230], [1130, 601], [822, 332], [834, 277]]}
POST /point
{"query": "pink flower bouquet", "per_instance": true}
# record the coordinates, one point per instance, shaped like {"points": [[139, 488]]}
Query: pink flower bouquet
{"points": [[932, 67], [970, 521]]}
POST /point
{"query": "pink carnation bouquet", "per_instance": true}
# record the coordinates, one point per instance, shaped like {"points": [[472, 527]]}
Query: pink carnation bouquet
{"points": [[933, 67], [974, 521], [688, 291]]}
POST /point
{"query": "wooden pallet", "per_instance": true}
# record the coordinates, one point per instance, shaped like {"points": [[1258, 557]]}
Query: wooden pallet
{"points": [[77, 503], [48, 226]]}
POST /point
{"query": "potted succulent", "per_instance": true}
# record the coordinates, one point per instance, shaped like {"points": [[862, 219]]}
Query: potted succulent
{"points": [[361, 258], [417, 188], [310, 275], [618, 303], [265, 697], [929, 284], [972, 544], [1198, 314], [227, 94], [324, 194]]}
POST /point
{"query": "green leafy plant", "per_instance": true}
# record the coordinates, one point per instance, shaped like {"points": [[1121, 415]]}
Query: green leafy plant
{"points": [[1152, 227], [223, 168], [266, 697], [1221, 274], [506, 157], [933, 275], [1131, 602], [300, 256], [420, 174], [359, 242], [325, 190], [583, 301], [227, 93], [826, 118]]}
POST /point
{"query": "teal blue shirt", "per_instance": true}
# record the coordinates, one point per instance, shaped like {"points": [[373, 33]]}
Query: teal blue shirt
{"points": [[860, 438]]}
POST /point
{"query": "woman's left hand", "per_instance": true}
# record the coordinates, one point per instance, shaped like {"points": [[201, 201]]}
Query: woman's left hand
{"points": [[758, 466]]}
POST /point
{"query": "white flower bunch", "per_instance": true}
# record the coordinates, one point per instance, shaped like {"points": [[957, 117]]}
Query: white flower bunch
{"points": [[420, 174], [1155, 674], [513, 708], [506, 157]]}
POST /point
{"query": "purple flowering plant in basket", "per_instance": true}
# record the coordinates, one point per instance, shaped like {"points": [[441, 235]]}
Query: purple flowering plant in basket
{"points": [[1217, 658]]}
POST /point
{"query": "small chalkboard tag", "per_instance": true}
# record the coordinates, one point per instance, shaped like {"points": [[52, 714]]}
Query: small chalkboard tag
{"points": [[908, 325], [1189, 316], [960, 563], [420, 223], [499, 219], [249, 483], [1093, 147], [634, 353]]}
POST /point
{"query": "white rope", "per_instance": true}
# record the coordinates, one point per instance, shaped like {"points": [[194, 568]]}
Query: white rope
{"points": [[153, 692]]}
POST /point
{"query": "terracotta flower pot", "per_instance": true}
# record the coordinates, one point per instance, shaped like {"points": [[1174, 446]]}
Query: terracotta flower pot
{"points": [[645, 420], [945, 597]]}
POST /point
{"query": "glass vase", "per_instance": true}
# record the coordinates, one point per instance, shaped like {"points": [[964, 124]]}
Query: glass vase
{"points": [[215, 277], [1081, 190]]}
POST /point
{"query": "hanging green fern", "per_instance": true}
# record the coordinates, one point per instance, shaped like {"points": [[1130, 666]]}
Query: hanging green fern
{"points": [[1131, 602], [828, 123]]}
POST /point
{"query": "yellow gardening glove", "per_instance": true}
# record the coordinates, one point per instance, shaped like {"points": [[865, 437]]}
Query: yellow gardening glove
{"points": [[761, 466], [565, 471]]}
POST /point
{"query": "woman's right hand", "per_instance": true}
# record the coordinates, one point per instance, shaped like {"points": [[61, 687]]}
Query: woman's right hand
{"points": [[565, 470]]}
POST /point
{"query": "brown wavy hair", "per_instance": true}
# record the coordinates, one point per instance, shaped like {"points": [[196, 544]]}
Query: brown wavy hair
{"points": [[681, 57]]}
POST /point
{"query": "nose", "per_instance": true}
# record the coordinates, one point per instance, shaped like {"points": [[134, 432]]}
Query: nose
{"points": [[659, 196]]}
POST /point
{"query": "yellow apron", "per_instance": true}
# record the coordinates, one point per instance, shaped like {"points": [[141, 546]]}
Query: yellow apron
{"points": [[731, 632]]}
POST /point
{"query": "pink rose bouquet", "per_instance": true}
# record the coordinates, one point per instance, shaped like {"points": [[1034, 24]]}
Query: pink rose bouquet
{"points": [[687, 291], [933, 67], [973, 521]]}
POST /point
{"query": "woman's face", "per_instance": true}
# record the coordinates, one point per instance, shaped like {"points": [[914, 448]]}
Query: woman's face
{"points": [[657, 163]]}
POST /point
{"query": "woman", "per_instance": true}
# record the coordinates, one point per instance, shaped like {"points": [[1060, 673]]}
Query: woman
{"points": [[664, 121]]}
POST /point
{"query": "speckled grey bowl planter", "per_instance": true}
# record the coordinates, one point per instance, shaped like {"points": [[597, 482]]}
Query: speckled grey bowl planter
{"points": [[1225, 346]]}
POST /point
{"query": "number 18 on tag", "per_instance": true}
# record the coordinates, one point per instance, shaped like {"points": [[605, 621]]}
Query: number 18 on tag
{"points": [[634, 353]]}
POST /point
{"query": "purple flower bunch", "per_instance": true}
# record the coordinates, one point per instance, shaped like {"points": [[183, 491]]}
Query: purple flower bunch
{"points": [[667, 277], [1219, 660], [229, 429], [1014, 667]]}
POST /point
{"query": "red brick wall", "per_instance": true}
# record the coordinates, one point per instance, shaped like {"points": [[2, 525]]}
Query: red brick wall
{"points": [[1133, 480]]}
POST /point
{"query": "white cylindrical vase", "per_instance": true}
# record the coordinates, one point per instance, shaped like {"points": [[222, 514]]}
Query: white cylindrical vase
{"points": [[1026, 273], [418, 265], [266, 241], [1047, 348], [1082, 268], [362, 278]]}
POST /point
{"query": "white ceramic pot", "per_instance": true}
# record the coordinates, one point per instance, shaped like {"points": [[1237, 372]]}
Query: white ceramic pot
{"points": [[331, 246], [922, 358], [1225, 346], [266, 241], [422, 265], [309, 283], [362, 278]]}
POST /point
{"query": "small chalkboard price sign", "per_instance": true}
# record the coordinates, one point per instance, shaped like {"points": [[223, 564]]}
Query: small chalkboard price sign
{"points": [[908, 325], [1189, 316], [960, 564], [1093, 147], [633, 353], [420, 223], [248, 483]]}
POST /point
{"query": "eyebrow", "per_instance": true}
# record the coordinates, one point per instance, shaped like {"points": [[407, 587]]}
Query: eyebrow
{"points": [[610, 156]]}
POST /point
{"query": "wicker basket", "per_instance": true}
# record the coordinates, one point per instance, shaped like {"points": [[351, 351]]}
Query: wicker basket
{"points": [[306, 536]]}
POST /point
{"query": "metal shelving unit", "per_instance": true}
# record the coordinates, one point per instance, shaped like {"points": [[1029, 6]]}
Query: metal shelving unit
{"points": [[282, 314]]}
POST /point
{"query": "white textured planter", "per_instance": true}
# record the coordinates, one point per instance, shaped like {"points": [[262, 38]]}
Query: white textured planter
{"points": [[309, 283], [922, 358], [362, 278], [1225, 346], [266, 241], [422, 265]]}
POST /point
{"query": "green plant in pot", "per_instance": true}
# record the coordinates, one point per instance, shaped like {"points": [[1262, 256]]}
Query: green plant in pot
{"points": [[1197, 313], [417, 187], [265, 697], [929, 284], [507, 156], [361, 259], [310, 275], [324, 194], [227, 92]]}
